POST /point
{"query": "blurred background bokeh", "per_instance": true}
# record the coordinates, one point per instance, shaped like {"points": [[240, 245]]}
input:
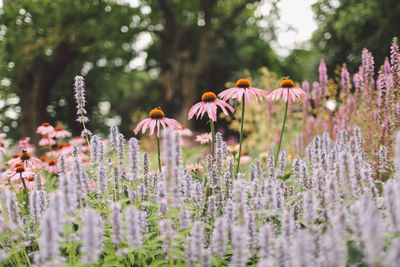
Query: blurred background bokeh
{"points": [[140, 54]]}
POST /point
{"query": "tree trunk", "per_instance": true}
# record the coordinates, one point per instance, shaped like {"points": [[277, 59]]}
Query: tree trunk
{"points": [[179, 78], [35, 91]]}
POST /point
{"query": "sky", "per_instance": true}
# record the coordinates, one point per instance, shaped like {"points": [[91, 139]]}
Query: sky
{"points": [[297, 14]]}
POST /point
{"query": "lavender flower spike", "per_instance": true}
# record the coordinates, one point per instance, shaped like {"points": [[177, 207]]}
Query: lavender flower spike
{"points": [[92, 236]]}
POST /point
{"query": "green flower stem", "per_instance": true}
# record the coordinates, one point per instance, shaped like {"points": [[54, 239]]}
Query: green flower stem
{"points": [[212, 137], [84, 127], [241, 137], [158, 151], [283, 128]]}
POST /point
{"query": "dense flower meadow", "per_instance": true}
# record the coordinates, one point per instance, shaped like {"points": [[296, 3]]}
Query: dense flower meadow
{"points": [[94, 201]]}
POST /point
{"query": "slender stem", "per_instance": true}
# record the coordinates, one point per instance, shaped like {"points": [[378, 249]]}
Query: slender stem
{"points": [[23, 182], [84, 127], [158, 151], [241, 137], [283, 128], [212, 137]]}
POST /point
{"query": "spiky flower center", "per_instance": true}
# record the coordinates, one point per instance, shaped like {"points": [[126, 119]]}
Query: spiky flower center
{"points": [[52, 162], [156, 114], [208, 97], [287, 83], [45, 124], [58, 128], [24, 155], [19, 168], [243, 83], [15, 156], [32, 178]]}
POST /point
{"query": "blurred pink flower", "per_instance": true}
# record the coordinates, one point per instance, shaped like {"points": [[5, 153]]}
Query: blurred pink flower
{"points": [[46, 141], [59, 132], [185, 131], [2, 148], [51, 166], [26, 159], [245, 159], [77, 140], [195, 167], [204, 138], [155, 120], [45, 129], [23, 144], [3, 135], [287, 92], [209, 103], [242, 88]]}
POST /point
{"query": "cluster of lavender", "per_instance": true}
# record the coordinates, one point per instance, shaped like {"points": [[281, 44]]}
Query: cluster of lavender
{"points": [[372, 92], [325, 210]]}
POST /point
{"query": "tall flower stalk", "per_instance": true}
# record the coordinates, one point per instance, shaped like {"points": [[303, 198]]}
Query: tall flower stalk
{"points": [[289, 94], [154, 122], [79, 87], [242, 89]]}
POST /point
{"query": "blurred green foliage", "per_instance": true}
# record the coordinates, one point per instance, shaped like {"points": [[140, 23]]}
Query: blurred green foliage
{"points": [[44, 44], [345, 28]]}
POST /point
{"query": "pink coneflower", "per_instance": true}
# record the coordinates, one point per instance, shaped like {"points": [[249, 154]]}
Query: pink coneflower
{"points": [[287, 92], [26, 159], [243, 87], [155, 120], [45, 129], [195, 167], [209, 103], [23, 144], [59, 132], [204, 138], [46, 141], [185, 131], [51, 166], [20, 174], [77, 140], [2, 148]]}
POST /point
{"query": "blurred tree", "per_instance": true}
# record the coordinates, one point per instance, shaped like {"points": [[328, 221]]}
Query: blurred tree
{"points": [[45, 44], [193, 46], [348, 26]]}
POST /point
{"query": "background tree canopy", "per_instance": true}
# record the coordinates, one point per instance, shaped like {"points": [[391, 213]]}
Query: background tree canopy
{"points": [[160, 53], [345, 28]]}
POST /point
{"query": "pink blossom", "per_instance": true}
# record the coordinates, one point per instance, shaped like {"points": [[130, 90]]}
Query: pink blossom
{"points": [[287, 92], [23, 144], [51, 166], [242, 88], [59, 132], [245, 159], [46, 141], [195, 167], [209, 103], [3, 135], [157, 120], [77, 140], [45, 129], [204, 138], [26, 159]]}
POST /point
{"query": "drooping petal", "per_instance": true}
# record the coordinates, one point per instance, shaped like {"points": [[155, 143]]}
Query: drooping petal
{"points": [[194, 109], [152, 126], [139, 126]]}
